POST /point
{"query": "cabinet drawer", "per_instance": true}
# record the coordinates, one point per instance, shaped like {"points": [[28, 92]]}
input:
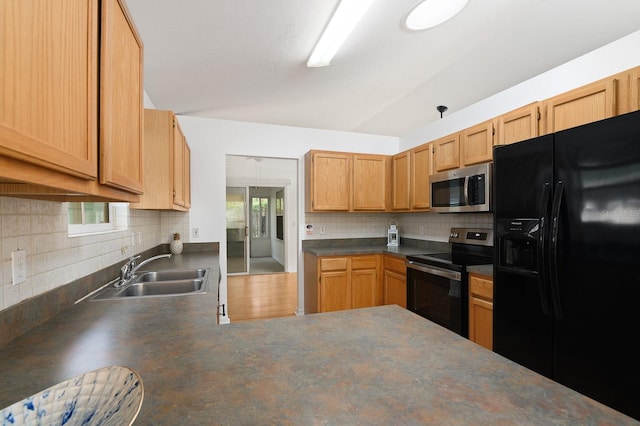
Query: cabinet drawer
{"points": [[333, 264], [481, 287], [395, 264], [364, 262]]}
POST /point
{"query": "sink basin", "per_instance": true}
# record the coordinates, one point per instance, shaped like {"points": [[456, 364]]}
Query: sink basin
{"points": [[170, 275], [157, 288], [171, 282]]}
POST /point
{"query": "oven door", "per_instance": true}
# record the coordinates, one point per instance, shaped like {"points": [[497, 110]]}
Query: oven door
{"points": [[440, 295]]}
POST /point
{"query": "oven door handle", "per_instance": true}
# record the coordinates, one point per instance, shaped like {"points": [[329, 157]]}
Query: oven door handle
{"points": [[452, 275]]}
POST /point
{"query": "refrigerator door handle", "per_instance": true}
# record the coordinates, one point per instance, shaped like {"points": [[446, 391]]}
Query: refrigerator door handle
{"points": [[553, 249], [542, 249]]}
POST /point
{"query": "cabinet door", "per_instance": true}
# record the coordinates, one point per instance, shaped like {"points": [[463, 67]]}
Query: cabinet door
{"points": [[395, 289], [421, 166], [519, 125], [329, 178], [121, 101], [364, 288], [584, 105], [447, 153], [481, 311], [335, 291], [635, 89], [178, 164], [370, 182], [394, 281], [48, 80], [401, 178], [476, 145]]}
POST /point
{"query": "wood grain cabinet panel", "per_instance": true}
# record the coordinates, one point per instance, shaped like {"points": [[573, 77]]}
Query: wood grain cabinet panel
{"points": [[328, 181], [121, 100], [395, 281], [583, 105], [401, 181], [476, 144], [634, 101], [49, 81], [519, 125], [167, 167], [347, 282], [421, 168], [340, 181], [370, 182], [447, 153], [71, 110], [481, 310]]}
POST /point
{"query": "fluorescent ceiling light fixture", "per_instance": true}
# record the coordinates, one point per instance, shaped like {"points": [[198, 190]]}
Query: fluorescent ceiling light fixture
{"points": [[430, 13], [343, 21]]}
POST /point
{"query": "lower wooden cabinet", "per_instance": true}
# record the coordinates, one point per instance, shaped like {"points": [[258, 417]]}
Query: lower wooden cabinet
{"points": [[394, 281], [481, 310], [335, 283]]}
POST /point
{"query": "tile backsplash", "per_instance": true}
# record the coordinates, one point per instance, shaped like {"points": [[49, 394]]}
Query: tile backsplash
{"points": [[421, 226], [55, 259]]}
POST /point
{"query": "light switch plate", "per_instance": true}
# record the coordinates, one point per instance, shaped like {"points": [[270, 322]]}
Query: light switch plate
{"points": [[18, 267]]}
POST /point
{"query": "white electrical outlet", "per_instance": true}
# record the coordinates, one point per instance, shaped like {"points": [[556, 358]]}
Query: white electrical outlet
{"points": [[18, 267], [323, 230], [195, 232], [139, 237], [421, 230]]}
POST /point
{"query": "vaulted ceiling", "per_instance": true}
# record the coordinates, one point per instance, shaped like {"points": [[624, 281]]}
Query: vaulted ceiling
{"points": [[245, 60]]}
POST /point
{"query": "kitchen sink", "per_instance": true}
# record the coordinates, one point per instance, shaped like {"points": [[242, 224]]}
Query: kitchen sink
{"points": [[167, 283], [170, 275]]}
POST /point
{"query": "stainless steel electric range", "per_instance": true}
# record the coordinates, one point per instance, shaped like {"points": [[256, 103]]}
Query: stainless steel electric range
{"points": [[437, 284]]}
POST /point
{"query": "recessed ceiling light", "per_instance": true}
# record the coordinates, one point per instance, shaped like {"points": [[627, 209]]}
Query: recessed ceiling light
{"points": [[430, 13]]}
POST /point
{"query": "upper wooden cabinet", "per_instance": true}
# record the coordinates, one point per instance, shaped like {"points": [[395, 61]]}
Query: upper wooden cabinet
{"points": [[519, 125], [57, 119], [476, 144], [121, 102], [328, 181], [49, 106], [370, 182], [401, 181], [339, 181], [583, 105], [410, 179], [421, 168], [446, 153], [166, 164], [634, 98]]}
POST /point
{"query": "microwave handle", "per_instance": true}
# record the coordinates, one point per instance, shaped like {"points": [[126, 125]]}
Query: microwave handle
{"points": [[466, 190]]}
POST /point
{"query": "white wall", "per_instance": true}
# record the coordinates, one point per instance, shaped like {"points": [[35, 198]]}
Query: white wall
{"points": [[615, 57], [212, 140]]}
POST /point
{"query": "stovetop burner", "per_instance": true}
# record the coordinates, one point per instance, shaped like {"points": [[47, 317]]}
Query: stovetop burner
{"points": [[469, 247]]}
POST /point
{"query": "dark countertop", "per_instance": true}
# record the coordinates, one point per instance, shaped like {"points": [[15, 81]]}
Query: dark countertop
{"points": [[356, 246], [382, 365]]}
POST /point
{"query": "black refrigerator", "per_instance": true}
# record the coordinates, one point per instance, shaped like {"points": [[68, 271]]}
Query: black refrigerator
{"points": [[567, 264]]}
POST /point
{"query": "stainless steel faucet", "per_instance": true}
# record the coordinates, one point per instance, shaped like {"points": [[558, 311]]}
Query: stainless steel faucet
{"points": [[128, 270]]}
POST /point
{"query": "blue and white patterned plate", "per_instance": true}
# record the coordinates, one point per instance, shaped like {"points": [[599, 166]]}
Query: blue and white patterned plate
{"points": [[107, 396]]}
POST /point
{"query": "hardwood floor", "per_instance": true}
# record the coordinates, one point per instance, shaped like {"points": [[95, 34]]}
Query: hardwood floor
{"points": [[252, 297]]}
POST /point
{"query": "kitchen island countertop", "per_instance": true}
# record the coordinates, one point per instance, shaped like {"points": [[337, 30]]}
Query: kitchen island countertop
{"points": [[382, 365]]}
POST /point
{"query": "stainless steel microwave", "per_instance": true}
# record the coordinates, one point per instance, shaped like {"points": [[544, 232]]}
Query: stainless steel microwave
{"points": [[462, 190]]}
